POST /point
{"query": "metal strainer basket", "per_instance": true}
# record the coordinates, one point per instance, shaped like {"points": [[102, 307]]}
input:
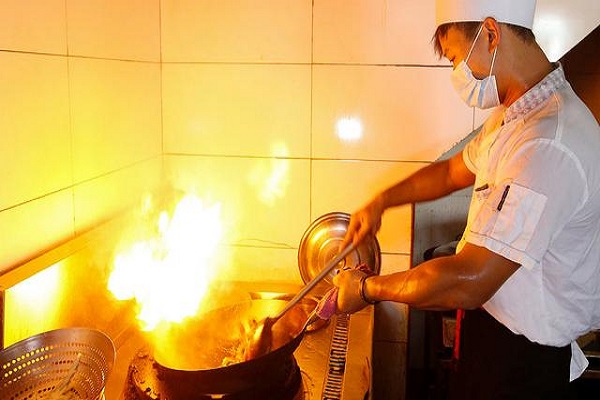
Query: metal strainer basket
{"points": [[71, 363]]}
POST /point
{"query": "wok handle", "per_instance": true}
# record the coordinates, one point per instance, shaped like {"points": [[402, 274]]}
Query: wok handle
{"points": [[335, 261]]}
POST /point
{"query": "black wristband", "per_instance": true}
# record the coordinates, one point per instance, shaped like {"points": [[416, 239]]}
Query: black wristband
{"points": [[361, 290]]}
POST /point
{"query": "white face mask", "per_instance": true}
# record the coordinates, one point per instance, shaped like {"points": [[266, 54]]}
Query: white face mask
{"points": [[480, 93]]}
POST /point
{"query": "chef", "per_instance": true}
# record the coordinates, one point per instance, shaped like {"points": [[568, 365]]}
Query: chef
{"points": [[527, 269]]}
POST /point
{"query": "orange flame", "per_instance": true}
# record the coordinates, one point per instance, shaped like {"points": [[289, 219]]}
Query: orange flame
{"points": [[169, 275]]}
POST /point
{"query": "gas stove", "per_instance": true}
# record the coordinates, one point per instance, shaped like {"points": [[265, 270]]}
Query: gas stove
{"points": [[148, 380], [333, 362]]}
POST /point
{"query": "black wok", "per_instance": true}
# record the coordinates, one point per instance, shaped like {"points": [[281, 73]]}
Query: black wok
{"points": [[190, 360]]}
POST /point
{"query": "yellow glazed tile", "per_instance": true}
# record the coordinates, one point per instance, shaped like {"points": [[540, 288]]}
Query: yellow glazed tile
{"points": [[243, 110], [236, 30], [126, 30], [347, 185], [35, 143], [35, 226], [34, 25], [116, 115], [386, 113], [259, 264], [391, 263], [264, 202], [32, 305], [374, 32], [99, 199]]}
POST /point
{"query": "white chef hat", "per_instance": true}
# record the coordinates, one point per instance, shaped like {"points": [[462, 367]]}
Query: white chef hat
{"points": [[515, 12]]}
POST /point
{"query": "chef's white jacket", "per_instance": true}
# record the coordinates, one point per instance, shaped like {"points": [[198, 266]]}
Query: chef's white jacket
{"points": [[536, 201]]}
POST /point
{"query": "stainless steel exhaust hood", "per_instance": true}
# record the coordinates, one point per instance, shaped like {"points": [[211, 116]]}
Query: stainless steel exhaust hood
{"points": [[559, 25]]}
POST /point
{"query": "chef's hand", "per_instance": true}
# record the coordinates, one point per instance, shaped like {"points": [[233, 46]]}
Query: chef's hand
{"points": [[364, 223], [349, 299]]}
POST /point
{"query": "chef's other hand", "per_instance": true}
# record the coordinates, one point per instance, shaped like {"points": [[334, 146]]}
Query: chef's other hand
{"points": [[364, 223], [349, 299]]}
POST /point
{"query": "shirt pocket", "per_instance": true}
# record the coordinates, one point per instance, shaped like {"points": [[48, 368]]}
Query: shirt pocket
{"points": [[510, 214], [478, 209]]}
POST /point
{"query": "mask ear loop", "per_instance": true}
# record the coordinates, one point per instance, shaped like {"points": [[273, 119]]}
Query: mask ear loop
{"points": [[473, 44], [493, 59]]}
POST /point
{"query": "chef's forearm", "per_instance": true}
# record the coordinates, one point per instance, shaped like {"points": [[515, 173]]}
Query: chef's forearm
{"points": [[432, 285]]}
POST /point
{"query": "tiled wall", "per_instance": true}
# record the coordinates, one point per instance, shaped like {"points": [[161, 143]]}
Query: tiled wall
{"points": [[252, 95], [239, 101], [80, 120], [94, 92]]}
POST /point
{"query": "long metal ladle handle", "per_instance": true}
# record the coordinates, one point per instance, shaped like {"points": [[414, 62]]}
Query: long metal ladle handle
{"points": [[335, 261]]}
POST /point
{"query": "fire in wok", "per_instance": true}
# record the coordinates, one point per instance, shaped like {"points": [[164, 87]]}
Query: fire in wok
{"points": [[220, 337]]}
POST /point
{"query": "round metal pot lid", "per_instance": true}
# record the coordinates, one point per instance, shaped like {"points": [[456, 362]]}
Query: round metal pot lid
{"points": [[321, 242]]}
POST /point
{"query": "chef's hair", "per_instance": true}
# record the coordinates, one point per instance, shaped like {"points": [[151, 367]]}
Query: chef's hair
{"points": [[470, 28]]}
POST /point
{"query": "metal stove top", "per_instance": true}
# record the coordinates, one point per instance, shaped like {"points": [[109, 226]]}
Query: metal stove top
{"points": [[335, 361]]}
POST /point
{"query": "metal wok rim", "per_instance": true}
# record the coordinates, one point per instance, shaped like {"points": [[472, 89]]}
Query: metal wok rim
{"points": [[286, 349]]}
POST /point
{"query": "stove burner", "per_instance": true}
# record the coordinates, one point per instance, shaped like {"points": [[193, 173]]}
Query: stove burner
{"points": [[146, 380]]}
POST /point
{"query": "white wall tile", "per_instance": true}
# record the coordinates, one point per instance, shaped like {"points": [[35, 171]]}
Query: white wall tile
{"points": [[99, 199], [406, 113], [250, 105], [264, 201], [348, 185], [34, 25], [391, 263], [247, 110], [126, 30], [116, 114], [35, 144], [237, 30], [259, 264], [35, 226], [374, 32]]}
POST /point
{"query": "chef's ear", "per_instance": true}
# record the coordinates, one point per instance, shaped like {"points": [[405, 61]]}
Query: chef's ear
{"points": [[492, 33]]}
